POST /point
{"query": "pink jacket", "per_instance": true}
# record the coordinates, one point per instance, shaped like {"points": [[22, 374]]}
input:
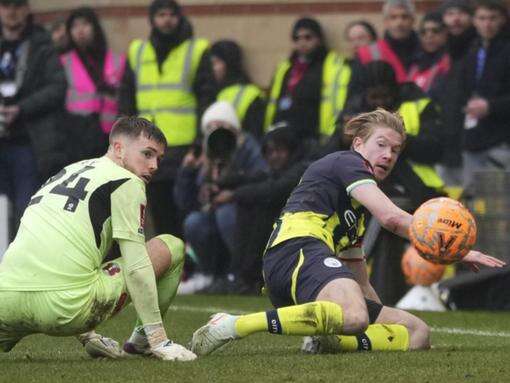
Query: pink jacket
{"points": [[82, 96]]}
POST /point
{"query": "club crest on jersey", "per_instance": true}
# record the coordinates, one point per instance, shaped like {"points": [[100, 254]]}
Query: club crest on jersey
{"points": [[142, 219], [332, 262]]}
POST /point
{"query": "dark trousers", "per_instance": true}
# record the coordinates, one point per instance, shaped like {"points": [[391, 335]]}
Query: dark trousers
{"points": [[255, 224], [19, 178], [166, 216]]}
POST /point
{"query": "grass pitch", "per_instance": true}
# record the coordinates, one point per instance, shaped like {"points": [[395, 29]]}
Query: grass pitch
{"points": [[468, 347]]}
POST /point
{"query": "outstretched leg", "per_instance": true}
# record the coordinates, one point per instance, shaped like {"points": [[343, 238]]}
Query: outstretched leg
{"points": [[393, 330], [334, 312]]}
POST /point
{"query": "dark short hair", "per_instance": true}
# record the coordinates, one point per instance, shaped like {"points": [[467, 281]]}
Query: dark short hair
{"points": [[133, 127], [434, 17], [493, 5]]}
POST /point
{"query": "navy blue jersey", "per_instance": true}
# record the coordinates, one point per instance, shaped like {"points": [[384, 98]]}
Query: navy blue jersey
{"points": [[321, 205]]}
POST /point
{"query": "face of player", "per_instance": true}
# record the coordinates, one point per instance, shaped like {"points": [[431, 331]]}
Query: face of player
{"points": [[219, 69], [14, 17], [358, 36], [399, 23], [457, 21], [488, 22], [380, 149], [305, 41], [140, 156], [166, 20], [432, 36], [82, 32]]}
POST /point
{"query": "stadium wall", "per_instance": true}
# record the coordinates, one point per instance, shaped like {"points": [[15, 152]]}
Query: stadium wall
{"points": [[262, 27]]}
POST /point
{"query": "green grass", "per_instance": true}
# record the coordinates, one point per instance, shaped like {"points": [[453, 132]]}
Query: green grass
{"points": [[465, 357]]}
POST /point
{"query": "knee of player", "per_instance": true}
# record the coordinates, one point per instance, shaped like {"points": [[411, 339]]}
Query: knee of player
{"points": [[356, 320], [419, 335], [330, 317], [175, 246]]}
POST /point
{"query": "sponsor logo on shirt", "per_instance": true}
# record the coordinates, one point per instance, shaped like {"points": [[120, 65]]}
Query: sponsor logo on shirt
{"points": [[142, 219]]}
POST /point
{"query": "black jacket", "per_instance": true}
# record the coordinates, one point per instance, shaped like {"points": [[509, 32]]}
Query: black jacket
{"points": [[303, 114], [41, 98], [494, 86], [271, 190], [203, 86]]}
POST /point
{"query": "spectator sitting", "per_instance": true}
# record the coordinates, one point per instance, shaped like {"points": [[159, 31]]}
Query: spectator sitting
{"points": [[93, 71], [210, 229], [235, 86], [259, 200]]}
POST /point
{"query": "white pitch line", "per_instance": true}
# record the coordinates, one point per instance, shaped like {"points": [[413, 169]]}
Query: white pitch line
{"points": [[465, 331], [444, 330]]}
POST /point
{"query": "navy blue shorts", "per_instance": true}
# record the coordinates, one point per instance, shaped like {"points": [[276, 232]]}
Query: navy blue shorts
{"points": [[296, 270]]}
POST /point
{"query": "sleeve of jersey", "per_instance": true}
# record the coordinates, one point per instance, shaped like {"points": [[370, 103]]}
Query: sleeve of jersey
{"points": [[140, 281], [128, 211], [354, 172]]}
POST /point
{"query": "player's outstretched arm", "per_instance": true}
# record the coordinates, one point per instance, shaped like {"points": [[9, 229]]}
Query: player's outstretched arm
{"points": [[141, 285], [474, 259], [389, 215]]}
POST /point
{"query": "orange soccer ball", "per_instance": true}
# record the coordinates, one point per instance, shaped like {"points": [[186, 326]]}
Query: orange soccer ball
{"points": [[419, 271], [443, 230]]}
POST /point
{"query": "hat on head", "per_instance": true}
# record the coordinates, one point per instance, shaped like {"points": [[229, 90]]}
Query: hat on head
{"points": [[156, 5], [14, 2], [464, 5], [220, 111]]}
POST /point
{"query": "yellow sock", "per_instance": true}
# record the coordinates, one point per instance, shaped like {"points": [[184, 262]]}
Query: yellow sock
{"points": [[314, 318], [378, 337]]}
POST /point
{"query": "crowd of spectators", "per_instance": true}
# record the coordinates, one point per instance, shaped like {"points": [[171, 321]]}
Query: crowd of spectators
{"points": [[236, 149]]}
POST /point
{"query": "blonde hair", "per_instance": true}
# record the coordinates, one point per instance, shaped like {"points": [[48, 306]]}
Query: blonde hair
{"points": [[363, 125]]}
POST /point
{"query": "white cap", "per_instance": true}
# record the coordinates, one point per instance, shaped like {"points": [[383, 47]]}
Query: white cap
{"points": [[220, 111]]}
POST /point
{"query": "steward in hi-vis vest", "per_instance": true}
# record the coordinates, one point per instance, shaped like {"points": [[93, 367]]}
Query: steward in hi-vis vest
{"points": [[235, 86], [169, 81], [310, 88], [336, 76]]}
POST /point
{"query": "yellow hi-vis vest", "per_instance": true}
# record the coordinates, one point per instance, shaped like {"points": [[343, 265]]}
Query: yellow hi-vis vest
{"points": [[276, 90], [240, 96], [336, 75], [410, 112], [167, 98]]}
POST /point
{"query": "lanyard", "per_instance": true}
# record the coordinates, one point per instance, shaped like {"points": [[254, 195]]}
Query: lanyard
{"points": [[480, 63]]}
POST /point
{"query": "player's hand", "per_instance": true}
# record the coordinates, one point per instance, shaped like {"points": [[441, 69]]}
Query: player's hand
{"points": [[171, 351], [474, 259]]}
